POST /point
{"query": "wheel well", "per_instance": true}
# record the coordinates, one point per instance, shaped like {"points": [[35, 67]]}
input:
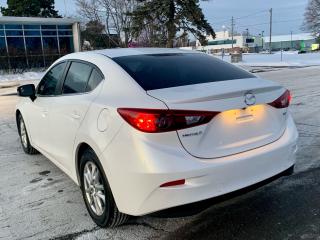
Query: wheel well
{"points": [[81, 149]]}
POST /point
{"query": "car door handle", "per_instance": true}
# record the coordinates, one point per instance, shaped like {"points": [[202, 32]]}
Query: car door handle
{"points": [[76, 116]]}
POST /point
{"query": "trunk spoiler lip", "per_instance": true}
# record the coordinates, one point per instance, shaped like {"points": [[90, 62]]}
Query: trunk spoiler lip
{"points": [[190, 93]]}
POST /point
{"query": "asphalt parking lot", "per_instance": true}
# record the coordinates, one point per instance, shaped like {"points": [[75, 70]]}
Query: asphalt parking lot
{"points": [[38, 201]]}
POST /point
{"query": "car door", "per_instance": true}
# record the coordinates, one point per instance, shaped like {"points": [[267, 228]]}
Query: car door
{"points": [[38, 111], [69, 110]]}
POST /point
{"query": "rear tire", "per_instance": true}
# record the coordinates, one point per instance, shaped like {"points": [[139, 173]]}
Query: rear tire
{"points": [[24, 138], [97, 194]]}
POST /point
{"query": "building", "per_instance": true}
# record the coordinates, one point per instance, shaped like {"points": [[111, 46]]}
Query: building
{"points": [[28, 42], [223, 42], [302, 41]]}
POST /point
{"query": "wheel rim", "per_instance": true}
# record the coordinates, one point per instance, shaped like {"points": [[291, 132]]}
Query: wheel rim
{"points": [[23, 134], [94, 189]]}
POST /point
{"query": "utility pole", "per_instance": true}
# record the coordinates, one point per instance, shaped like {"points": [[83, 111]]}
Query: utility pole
{"points": [[270, 37], [262, 38], [291, 41], [232, 29]]}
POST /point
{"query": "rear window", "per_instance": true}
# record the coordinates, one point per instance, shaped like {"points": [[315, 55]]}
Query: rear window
{"points": [[171, 70]]}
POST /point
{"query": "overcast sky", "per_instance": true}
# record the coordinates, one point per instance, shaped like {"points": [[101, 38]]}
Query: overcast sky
{"points": [[251, 14]]}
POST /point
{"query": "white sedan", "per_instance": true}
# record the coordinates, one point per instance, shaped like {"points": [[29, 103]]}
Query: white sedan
{"points": [[142, 130]]}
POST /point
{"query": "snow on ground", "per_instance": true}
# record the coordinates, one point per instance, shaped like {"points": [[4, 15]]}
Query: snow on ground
{"points": [[27, 76], [289, 59]]}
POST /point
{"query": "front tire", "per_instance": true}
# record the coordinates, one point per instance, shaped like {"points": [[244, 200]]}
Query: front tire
{"points": [[97, 194], [24, 137]]}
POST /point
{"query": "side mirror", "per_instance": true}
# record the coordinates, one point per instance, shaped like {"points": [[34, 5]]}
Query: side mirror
{"points": [[28, 90]]}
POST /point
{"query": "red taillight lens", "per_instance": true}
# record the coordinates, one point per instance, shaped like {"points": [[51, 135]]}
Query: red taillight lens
{"points": [[174, 183], [158, 120], [283, 101]]}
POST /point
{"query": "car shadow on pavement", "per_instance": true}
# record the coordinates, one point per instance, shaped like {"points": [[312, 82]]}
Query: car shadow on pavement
{"points": [[289, 208]]}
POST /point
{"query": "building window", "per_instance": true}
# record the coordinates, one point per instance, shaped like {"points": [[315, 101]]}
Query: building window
{"points": [[50, 45], [32, 27], [67, 27], [33, 45], [65, 33], [3, 49], [32, 33], [49, 33], [66, 45], [222, 42], [4, 64], [15, 46], [49, 27], [249, 40], [14, 33], [13, 26]]}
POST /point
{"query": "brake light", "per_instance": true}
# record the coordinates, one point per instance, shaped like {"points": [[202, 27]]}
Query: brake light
{"points": [[283, 101], [160, 120]]}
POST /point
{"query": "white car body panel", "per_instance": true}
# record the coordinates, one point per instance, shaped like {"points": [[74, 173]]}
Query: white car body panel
{"points": [[137, 163], [237, 128]]}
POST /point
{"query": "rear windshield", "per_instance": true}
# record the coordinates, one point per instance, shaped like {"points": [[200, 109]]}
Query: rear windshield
{"points": [[171, 70]]}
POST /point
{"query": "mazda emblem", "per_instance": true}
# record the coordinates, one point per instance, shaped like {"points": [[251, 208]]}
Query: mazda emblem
{"points": [[249, 99]]}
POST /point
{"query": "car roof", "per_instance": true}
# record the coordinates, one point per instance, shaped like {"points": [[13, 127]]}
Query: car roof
{"points": [[121, 52]]}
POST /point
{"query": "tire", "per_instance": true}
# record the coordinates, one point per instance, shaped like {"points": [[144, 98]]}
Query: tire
{"points": [[94, 189], [24, 138]]}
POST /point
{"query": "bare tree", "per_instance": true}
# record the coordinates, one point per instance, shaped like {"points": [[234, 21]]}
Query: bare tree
{"points": [[312, 17], [114, 13], [89, 9], [118, 18]]}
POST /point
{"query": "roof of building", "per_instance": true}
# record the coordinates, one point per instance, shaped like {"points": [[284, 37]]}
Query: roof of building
{"points": [[285, 38], [120, 52], [37, 20]]}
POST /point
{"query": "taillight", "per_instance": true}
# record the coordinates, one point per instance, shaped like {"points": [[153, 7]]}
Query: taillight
{"points": [[283, 101], [158, 120]]}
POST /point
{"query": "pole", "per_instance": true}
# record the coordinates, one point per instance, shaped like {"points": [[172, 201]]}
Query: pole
{"points": [[262, 38], [232, 29], [270, 37], [247, 44], [291, 41]]}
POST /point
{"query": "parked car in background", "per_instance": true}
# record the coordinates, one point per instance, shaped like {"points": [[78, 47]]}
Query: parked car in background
{"points": [[142, 130]]}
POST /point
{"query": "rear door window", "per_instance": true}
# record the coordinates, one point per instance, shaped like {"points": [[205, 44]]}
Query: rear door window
{"points": [[156, 71], [94, 80], [77, 78]]}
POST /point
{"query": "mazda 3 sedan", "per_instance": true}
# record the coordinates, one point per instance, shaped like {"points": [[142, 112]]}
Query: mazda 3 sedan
{"points": [[142, 130]]}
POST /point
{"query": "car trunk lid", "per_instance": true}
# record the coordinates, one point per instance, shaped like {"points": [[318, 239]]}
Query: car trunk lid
{"points": [[238, 127]]}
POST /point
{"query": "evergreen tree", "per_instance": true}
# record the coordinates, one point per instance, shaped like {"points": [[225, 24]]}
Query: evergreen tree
{"points": [[174, 16], [30, 8]]}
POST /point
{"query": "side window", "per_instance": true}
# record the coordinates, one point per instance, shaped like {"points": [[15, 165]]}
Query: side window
{"points": [[77, 78], [94, 80], [49, 82]]}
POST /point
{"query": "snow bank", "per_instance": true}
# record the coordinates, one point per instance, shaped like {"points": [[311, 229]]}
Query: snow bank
{"points": [[289, 59], [27, 76]]}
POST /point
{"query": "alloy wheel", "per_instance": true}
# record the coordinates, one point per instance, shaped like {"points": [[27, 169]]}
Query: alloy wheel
{"points": [[94, 189]]}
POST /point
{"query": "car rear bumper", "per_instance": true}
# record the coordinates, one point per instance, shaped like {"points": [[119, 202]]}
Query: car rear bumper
{"points": [[141, 168]]}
